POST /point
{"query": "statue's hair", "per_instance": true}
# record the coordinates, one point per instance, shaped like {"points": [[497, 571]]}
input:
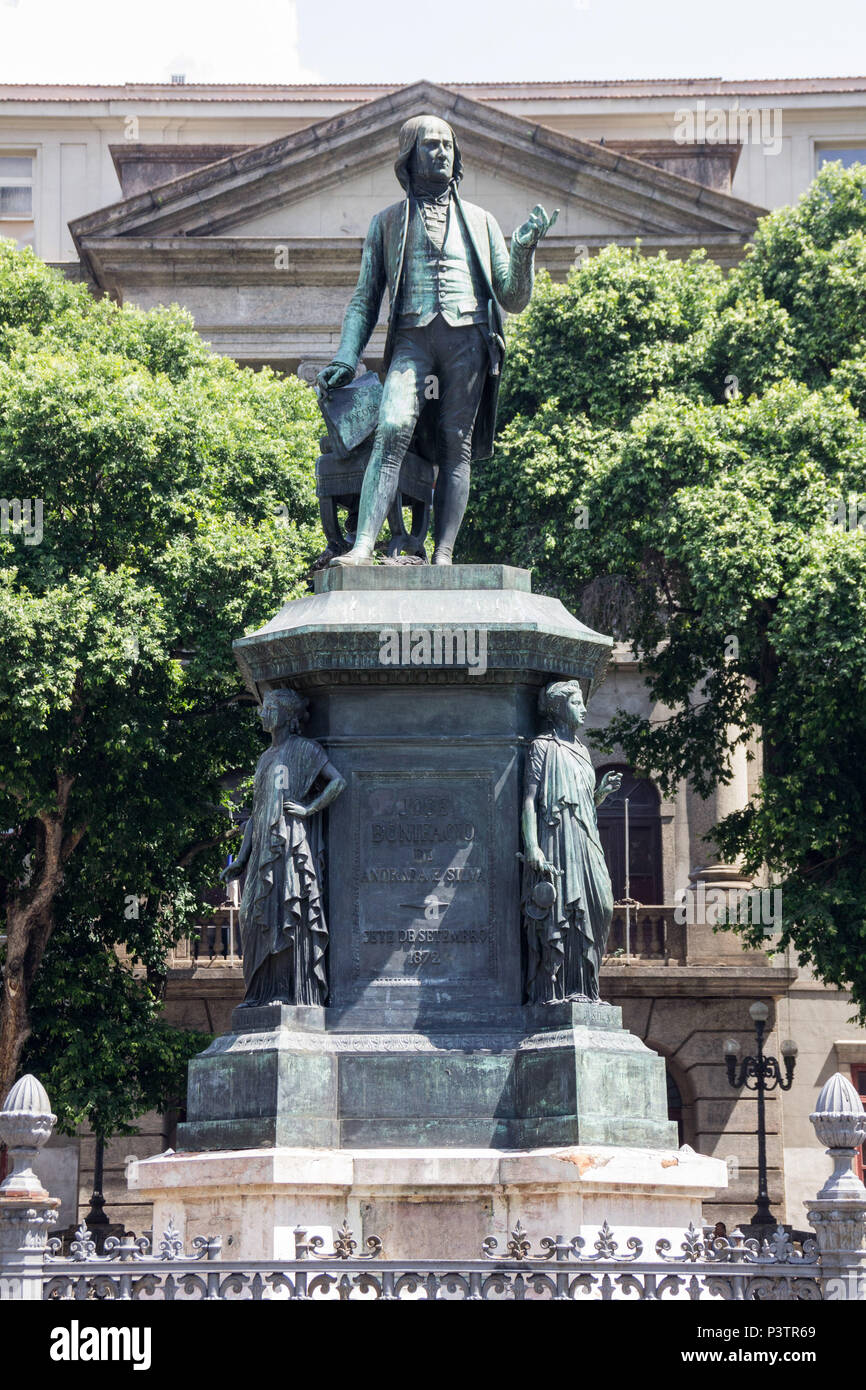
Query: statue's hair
{"points": [[407, 140], [554, 695], [294, 703]]}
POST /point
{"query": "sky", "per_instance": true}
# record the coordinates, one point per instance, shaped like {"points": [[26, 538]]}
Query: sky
{"points": [[113, 41]]}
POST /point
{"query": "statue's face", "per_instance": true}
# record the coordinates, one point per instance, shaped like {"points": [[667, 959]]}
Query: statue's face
{"points": [[575, 708], [434, 150], [272, 715]]}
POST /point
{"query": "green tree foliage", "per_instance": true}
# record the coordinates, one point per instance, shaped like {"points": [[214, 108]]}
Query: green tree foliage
{"points": [[683, 455], [100, 1042], [178, 510]]}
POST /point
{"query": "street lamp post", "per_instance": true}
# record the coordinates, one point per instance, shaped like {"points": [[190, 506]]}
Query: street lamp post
{"points": [[761, 1074], [97, 1217]]}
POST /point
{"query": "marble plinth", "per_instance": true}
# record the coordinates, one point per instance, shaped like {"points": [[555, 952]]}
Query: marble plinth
{"points": [[432, 1203]]}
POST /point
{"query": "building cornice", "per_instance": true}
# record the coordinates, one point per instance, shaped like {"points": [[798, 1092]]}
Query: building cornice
{"points": [[621, 88], [696, 981], [135, 262]]}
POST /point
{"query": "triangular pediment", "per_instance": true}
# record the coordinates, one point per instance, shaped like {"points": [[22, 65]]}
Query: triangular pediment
{"points": [[327, 179], [346, 206]]}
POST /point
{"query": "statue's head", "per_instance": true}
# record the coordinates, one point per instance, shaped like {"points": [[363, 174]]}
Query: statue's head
{"points": [[429, 150], [283, 706], [562, 703]]}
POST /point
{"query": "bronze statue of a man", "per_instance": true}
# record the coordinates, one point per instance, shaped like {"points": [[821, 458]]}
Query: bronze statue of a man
{"points": [[447, 271]]}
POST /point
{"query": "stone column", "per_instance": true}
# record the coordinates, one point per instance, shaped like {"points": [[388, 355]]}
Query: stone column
{"points": [[717, 883], [838, 1214], [26, 1209], [728, 797], [682, 838]]}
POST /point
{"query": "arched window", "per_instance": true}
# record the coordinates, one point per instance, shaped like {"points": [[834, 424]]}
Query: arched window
{"points": [[644, 837]]}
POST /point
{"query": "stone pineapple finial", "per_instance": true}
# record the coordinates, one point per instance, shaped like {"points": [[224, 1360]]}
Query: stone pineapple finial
{"points": [[26, 1123], [840, 1123]]}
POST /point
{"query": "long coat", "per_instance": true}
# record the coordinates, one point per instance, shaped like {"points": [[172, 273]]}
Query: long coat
{"points": [[508, 280]]}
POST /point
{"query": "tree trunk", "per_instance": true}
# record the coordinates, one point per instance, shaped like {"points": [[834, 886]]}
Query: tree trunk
{"points": [[29, 924], [27, 935]]}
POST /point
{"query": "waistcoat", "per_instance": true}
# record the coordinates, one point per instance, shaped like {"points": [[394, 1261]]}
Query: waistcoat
{"points": [[440, 281]]}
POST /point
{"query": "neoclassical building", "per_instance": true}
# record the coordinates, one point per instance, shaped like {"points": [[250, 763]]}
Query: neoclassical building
{"points": [[248, 205]]}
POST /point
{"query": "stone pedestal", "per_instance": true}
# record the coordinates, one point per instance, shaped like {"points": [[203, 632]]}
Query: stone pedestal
{"points": [[426, 1092], [25, 1225], [423, 685], [838, 1213], [27, 1211], [431, 1203], [516, 1078]]}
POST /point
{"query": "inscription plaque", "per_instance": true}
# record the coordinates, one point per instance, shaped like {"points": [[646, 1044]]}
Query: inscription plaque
{"points": [[423, 881]]}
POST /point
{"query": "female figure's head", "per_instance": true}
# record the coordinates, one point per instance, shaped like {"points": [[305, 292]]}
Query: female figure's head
{"points": [[562, 704], [283, 707]]}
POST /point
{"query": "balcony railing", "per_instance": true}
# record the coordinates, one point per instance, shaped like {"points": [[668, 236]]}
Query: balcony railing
{"points": [[646, 933], [217, 941], [652, 935]]}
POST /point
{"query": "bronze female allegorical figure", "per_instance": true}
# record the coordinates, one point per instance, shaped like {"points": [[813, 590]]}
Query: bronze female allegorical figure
{"points": [[447, 271], [282, 918], [567, 895]]}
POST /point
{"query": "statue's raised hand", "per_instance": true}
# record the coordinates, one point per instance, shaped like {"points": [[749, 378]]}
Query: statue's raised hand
{"points": [[537, 225], [334, 375], [610, 783]]}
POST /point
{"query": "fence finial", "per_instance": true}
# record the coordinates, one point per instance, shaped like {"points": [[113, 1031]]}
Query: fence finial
{"points": [[26, 1123], [840, 1124], [838, 1214]]}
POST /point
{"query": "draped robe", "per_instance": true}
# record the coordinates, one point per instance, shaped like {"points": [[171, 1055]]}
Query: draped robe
{"points": [[282, 918], [566, 943]]}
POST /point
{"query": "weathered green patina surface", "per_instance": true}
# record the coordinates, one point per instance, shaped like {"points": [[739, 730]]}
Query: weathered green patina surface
{"points": [[580, 1078], [448, 275], [567, 894], [427, 1038]]}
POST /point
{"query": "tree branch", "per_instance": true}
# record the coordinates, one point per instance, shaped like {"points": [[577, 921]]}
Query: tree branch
{"points": [[190, 854], [244, 698]]}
